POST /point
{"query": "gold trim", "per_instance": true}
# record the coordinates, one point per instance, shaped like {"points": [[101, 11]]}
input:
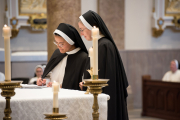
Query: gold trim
{"points": [[55, 110], [166, 5], [91, 72], [10, 85], [55, 115], [37, 16], [26, 14], [175, 21], [14, 31], [95, 77], [7, 80], [87, 91], [102, 81], [158, 32], [8, 92], [95, 89]]}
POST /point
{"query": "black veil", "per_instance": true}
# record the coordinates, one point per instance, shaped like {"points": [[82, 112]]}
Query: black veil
{"points": [[95, 20], [73, 34], [117, 105]]}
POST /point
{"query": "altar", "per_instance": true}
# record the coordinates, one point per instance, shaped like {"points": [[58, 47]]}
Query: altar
{"points": [[30, 104]]}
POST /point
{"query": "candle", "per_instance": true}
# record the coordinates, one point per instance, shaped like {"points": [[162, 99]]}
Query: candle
{"points": [[55, 88], [95, 32], [95, 35], [7, 52], [91, 56]]}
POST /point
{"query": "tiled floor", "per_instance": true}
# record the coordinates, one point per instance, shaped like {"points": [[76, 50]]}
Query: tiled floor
{"points": [[135, 114]]}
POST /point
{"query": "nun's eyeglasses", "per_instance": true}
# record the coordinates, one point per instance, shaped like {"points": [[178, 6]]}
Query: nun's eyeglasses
{"points": [[81, 30], [60, 45]]}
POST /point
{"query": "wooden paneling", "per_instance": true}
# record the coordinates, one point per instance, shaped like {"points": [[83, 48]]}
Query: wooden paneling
{"points": [[141, 62], [161, 99]]}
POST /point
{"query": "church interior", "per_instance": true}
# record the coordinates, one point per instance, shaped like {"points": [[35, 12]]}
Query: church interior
{"points": [[146, 33]]}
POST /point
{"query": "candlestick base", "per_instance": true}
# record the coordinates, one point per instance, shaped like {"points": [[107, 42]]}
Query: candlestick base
{"points": [[8, 87], [87, 91], [91, 73], [95, 88], [95, 77], [7, 80], [55, 115]]}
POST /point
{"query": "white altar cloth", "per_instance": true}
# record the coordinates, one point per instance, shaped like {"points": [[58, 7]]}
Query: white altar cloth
{"points": [[30, 104]]}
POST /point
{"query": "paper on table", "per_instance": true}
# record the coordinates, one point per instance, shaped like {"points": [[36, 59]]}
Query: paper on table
{"points": [[32, 86]]}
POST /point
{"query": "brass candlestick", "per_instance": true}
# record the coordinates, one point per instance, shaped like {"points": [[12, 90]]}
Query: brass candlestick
{"points": [[91, 73], [55, 115], [8, 87], [95, 86]]}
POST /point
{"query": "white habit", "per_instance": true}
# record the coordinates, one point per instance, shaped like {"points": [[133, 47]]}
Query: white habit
{"points": [[172, 77], [59, 71]]}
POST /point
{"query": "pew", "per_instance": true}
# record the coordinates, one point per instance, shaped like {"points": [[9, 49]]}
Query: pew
{"points": [[160, 99]]}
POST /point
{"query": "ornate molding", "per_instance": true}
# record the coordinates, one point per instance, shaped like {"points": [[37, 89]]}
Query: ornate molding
{"points": [[165, 13], [20, 13], [158, 32], [14, 23], [176, 21], [38, 21]]}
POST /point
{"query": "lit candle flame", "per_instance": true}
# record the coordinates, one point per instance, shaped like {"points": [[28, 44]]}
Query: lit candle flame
{"points": [[5, 25], [94, 26]]}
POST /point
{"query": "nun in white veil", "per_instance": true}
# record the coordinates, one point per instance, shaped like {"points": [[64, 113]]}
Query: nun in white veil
{"points": [[39, 69], [174, 74]]}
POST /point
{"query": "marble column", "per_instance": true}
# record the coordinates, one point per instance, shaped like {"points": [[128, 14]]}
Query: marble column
{"points": [[112, 12], [61, 11]]}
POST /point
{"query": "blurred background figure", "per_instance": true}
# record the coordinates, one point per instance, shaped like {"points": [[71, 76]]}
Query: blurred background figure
{"points": [[2, 77], [39, 69], [174, 74]]}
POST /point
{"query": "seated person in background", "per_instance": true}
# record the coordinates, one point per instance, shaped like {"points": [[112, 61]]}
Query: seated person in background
{"points": [[67, 63], [174, 74], [38, 73], [2, 78], [44, 66]]}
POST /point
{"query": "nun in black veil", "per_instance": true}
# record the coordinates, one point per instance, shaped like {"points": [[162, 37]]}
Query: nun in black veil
{"points": [[110, 65], [67, 63]]}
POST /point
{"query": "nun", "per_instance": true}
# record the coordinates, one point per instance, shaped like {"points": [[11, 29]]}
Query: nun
{"points": [[67, 63], [110, 65], [174, 74], [38, 73]]}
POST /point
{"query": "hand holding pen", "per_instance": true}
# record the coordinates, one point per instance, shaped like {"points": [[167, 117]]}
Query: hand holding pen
{"points": [[41, 82]]}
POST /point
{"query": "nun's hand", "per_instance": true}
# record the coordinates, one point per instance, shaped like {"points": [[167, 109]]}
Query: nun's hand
{"points": [[44, 82], [39, 82], [81, 85]]}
